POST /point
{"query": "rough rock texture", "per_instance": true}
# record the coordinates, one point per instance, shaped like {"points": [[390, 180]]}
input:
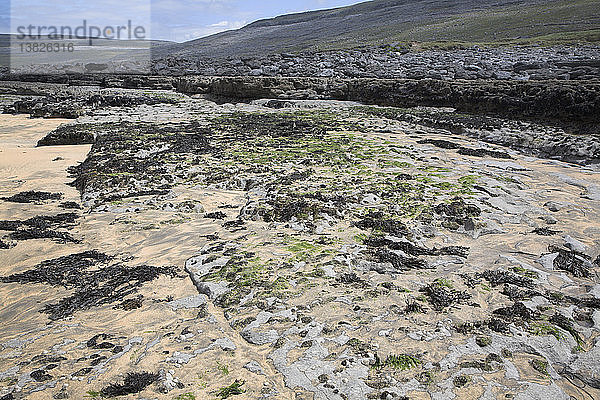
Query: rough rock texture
{"points": [[320, 249], [502, 63], [566, 62], [549, 100]]}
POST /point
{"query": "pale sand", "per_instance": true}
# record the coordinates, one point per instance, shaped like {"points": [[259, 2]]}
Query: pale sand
{"points": [[25, 167]]}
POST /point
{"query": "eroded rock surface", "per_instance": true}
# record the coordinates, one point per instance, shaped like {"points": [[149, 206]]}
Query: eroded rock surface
{"points": [[316, 249]]}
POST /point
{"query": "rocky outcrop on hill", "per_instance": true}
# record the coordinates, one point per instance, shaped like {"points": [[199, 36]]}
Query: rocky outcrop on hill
{"points": [[519, 63], [568, 62]]}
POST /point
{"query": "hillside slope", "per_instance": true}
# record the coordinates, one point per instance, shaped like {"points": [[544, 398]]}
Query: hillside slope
{"points": [[388, 21]]}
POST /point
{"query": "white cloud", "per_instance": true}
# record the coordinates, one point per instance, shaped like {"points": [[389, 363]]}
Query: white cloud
{"points": [[190, 33], [220, 24]]}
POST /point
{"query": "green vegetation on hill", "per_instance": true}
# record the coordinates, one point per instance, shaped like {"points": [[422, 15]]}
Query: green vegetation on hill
{"points": [[555, 22], [560, 21]]}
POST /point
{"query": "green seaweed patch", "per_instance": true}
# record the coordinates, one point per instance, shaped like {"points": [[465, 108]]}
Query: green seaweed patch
{"points": [[243, 270], [232, 390], [302, 246], [359, 347], [544, 328], [223, 369], [507, 179], [317, 272], [427, 378], [246, 272], [540, 365], [402, 362], [279, 287], [525, 272], [468, 181], [361, 237], [565, 323], [394, 164], [443, 282], [185, 396], [483, 341]]}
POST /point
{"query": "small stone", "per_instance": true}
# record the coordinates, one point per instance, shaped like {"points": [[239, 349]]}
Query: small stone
{"points": [[574, 244], [553, 206], [549, 219], [469, 225], [260, 338], [371, 199], [483, 341], [254, 367], [225, 344]]}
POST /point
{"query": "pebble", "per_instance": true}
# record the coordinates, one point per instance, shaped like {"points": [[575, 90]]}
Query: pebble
{"points": [[552, 206]]}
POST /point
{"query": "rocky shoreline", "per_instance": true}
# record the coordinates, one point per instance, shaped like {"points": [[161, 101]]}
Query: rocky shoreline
{"points": [[546, 100], [542, 118], [444, 271], [273, 237]]}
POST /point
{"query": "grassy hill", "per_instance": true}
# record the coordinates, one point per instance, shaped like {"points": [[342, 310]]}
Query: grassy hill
{"points": [[429, 22], [554, 21]]}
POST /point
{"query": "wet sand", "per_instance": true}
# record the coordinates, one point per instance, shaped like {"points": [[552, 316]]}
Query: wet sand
{"points": [[160, 336]]}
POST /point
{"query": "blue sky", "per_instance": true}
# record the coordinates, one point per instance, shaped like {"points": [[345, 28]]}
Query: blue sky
{"points": [[177, 20]]}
